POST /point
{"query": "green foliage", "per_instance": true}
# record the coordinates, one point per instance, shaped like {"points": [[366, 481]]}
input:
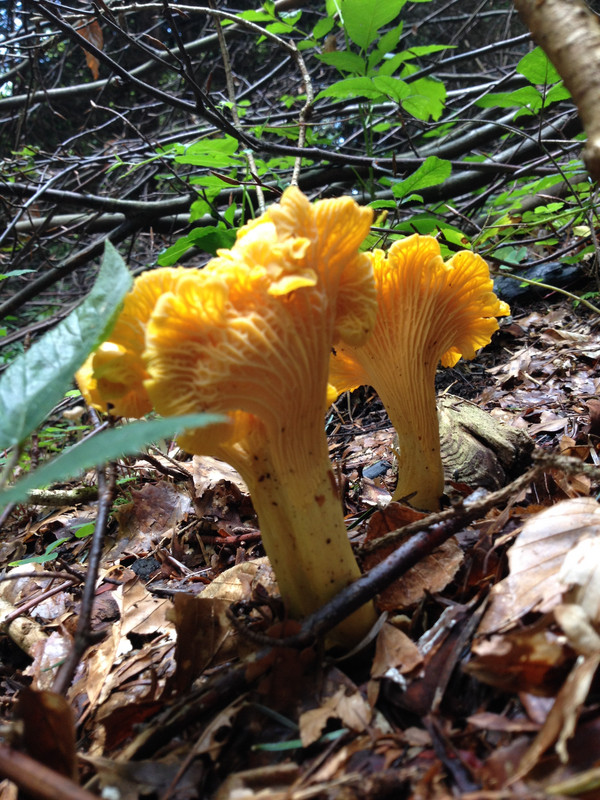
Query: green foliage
{"points": [[372, 70], [37, 379], [432, 172], [217, 153], [107, 446], [539, 71], [537, 68], [362, 19], [14, 273], [209, 239], [49, 554]]}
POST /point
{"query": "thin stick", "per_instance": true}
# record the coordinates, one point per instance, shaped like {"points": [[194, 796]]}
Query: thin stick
{"points": [[260, 196], [83, 635]]}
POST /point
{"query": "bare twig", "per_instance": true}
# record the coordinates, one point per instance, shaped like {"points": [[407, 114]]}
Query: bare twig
{"points": [[37, 780], [83, 634], [260, 196]]}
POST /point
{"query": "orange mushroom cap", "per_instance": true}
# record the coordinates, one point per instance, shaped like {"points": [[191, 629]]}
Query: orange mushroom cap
{"points": [[112, 378], [428, 311]]}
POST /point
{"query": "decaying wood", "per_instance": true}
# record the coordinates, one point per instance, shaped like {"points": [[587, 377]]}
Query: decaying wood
{"points": [[477, 449]]}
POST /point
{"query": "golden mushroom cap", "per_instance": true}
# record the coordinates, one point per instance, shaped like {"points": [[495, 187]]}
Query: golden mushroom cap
{"points": [[252, 331], [428, 311], [113, 376]]}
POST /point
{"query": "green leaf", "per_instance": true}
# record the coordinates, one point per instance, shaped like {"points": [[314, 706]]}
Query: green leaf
{"points": [[432, 172], [49, 554], [389, 40], [36, 380], [363, 18], [382, 204], [555, 93], [255, 16], [426, 99], [208, 238], [385, 46], [279, 27], [109, 445], [323, 27], [537, 68], [345, 60], [351, 87], [391, 64], [427, 49], [511, 254], [392, 87], [216, 153], [526, 97], [14, 273], [85, 530]]}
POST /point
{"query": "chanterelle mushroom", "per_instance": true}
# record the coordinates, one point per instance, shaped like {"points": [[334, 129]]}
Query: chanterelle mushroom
{"points": [[112, 378], [428, 311], [250, 336]]}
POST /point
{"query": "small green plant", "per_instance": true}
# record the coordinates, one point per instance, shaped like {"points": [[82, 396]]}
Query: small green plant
{"points": [[36, 380]]}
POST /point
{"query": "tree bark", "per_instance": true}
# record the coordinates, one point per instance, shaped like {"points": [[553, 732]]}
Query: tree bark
{"points": [[569, 33]]}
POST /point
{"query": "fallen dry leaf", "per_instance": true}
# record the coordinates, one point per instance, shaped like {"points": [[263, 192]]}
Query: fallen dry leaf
{"points": [[535, 559], [205, 637], [394, 651], [93, 33], [560, 725], [395, 655], [431, 574], [49, 730], [352, 710]]}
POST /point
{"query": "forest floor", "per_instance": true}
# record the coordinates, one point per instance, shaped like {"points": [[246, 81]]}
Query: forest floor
{"points": [[482, 667]]}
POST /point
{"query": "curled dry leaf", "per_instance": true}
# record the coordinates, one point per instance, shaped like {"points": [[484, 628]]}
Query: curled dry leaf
{"points": [[431, 574], [352, 710], [554, 571], [93, 33], [396, 655], [535, 582]]}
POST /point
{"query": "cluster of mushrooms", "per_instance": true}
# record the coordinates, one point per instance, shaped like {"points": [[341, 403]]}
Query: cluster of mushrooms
{"points": [[267, 334]]}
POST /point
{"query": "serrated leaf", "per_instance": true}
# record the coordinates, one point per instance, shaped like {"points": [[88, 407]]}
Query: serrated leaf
{"points": [[385, 46], [525, 97], [107, 446], [208, 238], [432, 172], [344, 60], [556, 93], [363, 18], [392, 87], [537, 67], [36, 380], [351, 87], [426, 99]]}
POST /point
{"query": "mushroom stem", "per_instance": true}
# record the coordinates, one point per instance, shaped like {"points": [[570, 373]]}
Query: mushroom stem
{"points": [[408, 394], [296, 499], [305, 537], [428, 311], [422, 473]]}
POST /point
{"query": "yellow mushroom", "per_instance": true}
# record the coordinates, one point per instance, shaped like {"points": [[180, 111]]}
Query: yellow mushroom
{"points": [[428, 311], [112, 378], [250, 336]]}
